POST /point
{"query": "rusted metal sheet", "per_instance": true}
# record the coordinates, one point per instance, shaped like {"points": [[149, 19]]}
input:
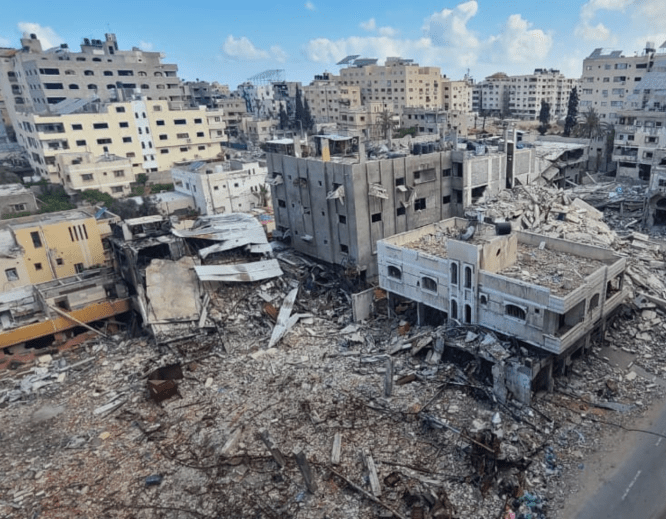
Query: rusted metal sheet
{"points": [[90, 313], [242, 272], [162, 389], [271, 311]]}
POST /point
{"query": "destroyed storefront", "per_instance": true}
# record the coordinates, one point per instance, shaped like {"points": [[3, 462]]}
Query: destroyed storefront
{"points": [[165, 262], [548, 294]]}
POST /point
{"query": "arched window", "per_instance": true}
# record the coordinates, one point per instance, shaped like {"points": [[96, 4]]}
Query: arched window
{"points": [[145, 87], [111, 86], [515, 311], [394, 272], [92, 87], [108, 73], [142, 73], [97, 59], [454, 273], [73, 86], [158, 74], [468, 277], [454, 309], [69, 72], [594, 302], [88, 73], [468, 314], [429, 284]]}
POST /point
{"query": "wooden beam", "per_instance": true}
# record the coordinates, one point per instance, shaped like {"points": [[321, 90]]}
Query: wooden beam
{"points": [[306, 470]]}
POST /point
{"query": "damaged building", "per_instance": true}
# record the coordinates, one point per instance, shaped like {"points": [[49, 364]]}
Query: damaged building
{"points": [[338, 205], [548, 293]]}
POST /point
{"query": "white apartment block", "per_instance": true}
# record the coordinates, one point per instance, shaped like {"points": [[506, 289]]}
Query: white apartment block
{"points": [[227, 187], [521, 96], [33, 79], [608, 79], [146, 131], [327, 98], [397, 84]]}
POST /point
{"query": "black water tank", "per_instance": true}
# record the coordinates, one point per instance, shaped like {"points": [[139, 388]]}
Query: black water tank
{"points": [[502, 228], [417, 149]]}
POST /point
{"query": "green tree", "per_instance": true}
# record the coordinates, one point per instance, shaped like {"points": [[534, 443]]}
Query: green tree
{"points": [[386, 123], [308, 120], [572, 112], [93, 197], [284, 118], [300, 111], [544, 117], [591, 126]]}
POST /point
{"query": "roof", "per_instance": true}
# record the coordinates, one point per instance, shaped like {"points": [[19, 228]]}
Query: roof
{"points": [[46, 219], [13, 189]]}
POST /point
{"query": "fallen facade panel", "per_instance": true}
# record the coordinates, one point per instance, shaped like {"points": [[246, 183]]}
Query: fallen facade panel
{"points": [[243, 272]]}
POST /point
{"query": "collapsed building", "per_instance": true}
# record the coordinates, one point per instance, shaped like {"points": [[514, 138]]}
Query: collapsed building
{"points": [[547, 293]]}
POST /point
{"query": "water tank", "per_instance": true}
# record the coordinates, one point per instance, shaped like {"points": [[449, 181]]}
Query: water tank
{"points": [[502, 228], [416, 150], [431, 147]]}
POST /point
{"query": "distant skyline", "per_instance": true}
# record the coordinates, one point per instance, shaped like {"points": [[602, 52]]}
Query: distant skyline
{"points": [[229, 44]]}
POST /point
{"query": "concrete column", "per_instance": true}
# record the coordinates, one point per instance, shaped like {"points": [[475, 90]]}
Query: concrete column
{"points": [[420, 314]]}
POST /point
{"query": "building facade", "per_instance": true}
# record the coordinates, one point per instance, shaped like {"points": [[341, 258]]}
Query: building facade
{"points": [[106, 173], [327, 98], [229, 187], [16, 199]]}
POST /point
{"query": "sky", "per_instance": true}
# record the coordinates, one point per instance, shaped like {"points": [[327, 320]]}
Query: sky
{"points": [[230, 42]]}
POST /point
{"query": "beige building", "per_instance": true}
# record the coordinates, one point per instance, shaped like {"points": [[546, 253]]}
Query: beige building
{"points": [[521, 96], [397, 84], [107, 173], [259, 130], [148, 132], [327, 98], [457, 95], [362, 121], [40, 80]]}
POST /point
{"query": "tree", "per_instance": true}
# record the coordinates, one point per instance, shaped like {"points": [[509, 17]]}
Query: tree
{"points": [[386, 123], [284, 118], [572, 112], [308, 120], [591, 126], [300, 111], [544, 117]]}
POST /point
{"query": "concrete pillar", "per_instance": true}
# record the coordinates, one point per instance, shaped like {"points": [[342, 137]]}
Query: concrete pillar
{"points": [[420, 314]]}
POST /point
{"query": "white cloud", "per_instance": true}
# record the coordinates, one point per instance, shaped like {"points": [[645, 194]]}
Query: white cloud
{"points": [[447, 42], [4, 42], [370, 25], [47, 36], [145, 45], [589, 32], [279, 54], [242, 49], [599, 32], [650, 14], [310, 6]]}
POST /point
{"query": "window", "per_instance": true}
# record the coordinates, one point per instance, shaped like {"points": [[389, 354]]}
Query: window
{"points": [[164, 151], [164, 137], [12, 274], [201, 148], [446, 200], [120, 109], [100, 126], [454, 309], [103, 141], [159, 123], [515, 311], [19, 207], [77, 127], [117, 189], [344, 248], [88, 73], [198, 121], [342, 218], [377, 217], [394, 272], [400, 181], [200, 134], [446, 172], [78, 267], [282, 203], [53, 86], [429, 284], [183, 135], [59, 261], [119, 173], [594, 302], [38, 266], [130, 155], [419, 204], [87, 177], [81, 143], [124, 124], [400, 211], [468, 277], [36, 240], [184, 149], [454, 273], [127, 139], [179, 121]]}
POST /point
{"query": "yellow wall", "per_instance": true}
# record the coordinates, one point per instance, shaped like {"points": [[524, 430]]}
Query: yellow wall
{"points": [[58, 243]]}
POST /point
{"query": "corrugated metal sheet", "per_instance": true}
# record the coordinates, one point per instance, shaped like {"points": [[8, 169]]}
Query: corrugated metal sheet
{"points": [[242, 272]]}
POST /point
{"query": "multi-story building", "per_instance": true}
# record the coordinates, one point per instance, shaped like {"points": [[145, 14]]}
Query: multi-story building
{"points": [[146, 131], [608, 79], [397, 84], [107, 173], [227, 187], [203, 93], [521, 96], [457, 95], [37, 80], [234, 111], [259, 130], [362, 121], [327, 98], [478, 274], [16, 199], [41, 248], [336, 209]]}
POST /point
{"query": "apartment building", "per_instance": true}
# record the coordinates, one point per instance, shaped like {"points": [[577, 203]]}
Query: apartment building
{"points": [[16, 198], [203, 93], [362, 121], [33, 79], [107, 173], [233, 112], [259, 130], [457, 95], [336, 210], [45, 247], [397, 84], [521, 96], [478, 273], [226, 187], [607, 79], [148, 132], [327, 98]]}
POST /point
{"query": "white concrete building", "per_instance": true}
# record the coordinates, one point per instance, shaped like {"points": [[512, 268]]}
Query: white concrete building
{"points": [[227, 187]]}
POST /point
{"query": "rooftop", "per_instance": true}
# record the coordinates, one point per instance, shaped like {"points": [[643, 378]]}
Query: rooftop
{"points": [[45, 219], [13, 189]]}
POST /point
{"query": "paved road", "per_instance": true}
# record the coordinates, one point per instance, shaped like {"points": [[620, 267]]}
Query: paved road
{"points": [[637, 489]]}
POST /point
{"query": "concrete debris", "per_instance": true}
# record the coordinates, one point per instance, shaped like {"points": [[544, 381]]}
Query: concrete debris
{"points": [[337, 419]]}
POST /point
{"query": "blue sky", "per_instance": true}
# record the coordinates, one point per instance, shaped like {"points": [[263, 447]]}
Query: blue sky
{"points": [[232, 41]]}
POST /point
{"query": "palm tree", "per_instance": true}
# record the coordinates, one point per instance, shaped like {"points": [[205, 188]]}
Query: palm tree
{"points": [[591, 126], [386, 123]]}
